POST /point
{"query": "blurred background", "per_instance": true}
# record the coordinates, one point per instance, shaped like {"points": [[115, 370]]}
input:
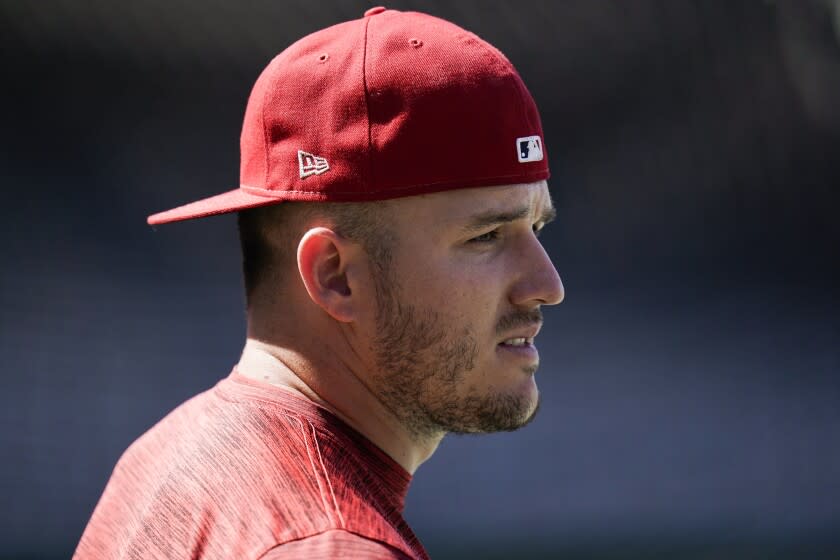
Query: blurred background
{"points": [[691, 398]]}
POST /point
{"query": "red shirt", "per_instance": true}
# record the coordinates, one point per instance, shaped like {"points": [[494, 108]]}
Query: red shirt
{"points": [[248, 470]]}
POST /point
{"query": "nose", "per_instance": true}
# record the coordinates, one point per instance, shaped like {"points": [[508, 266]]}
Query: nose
{"points": [[539, 283]]}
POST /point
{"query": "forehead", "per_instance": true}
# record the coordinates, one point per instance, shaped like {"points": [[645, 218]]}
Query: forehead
{"points": [[457, 206]]}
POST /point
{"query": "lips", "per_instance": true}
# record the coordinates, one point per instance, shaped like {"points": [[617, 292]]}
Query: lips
{"points": [[518, 345]]}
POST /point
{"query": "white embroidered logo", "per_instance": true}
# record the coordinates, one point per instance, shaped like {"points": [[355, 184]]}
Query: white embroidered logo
{"points": [[311, 164], [529, 148]]}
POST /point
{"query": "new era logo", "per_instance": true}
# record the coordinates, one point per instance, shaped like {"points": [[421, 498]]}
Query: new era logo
{"points": [[311, 164], [529, 148]]}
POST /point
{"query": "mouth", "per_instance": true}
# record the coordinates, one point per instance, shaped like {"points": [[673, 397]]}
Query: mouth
{"points": [[522, 337], [520, 349], [518, 341], [519, 345]]}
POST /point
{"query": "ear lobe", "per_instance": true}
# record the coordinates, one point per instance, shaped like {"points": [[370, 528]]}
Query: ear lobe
{"points": [[323, 258]]}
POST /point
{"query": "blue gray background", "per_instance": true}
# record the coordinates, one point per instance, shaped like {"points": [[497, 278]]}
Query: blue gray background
{"points": [[691, 400]]}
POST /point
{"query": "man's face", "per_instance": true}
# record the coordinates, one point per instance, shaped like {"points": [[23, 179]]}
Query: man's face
{"points": [[458, 306]]}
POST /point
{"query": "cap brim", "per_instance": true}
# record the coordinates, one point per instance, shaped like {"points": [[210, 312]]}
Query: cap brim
{"points": [[230, 201]]}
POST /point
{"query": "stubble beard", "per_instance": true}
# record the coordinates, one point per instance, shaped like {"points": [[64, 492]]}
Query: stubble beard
{"points": [[421, 366]]}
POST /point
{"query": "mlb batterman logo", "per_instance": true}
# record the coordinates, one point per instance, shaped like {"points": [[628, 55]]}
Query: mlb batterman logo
{"points": [[529, 148], [311, 164]]}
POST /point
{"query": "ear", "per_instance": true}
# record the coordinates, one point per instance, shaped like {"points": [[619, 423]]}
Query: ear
{"points": [[324, 259]]}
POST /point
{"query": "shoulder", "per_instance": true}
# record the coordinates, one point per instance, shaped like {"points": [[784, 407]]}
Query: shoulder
{"points": [[335, 543]]}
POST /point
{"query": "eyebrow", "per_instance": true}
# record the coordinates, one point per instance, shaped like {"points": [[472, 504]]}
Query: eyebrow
{"points": [[493, 218]]}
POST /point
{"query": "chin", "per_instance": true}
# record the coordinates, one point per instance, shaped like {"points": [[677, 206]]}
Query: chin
{"points": [[520, 383], [500, 412], [529, 409]]}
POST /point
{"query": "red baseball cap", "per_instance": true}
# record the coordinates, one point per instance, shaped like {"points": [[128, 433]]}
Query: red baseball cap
{"points": [[393, 104]]}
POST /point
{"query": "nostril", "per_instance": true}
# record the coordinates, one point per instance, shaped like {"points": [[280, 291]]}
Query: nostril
{"points": [[415, 42], [324, 57]]}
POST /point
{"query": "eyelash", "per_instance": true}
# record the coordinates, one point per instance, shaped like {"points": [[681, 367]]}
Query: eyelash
{"points": [[493, 235], [488, 237]]}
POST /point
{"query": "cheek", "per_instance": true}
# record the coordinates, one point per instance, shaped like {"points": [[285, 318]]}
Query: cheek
{"points": [[464, 298], [448, 285], [456, 282]]}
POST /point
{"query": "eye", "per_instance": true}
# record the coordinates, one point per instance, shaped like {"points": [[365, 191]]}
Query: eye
{"points": [[488, 237], [538, 227]]}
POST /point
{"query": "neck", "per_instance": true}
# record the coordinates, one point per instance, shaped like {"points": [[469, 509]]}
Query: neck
{"points": [[335, 386]]}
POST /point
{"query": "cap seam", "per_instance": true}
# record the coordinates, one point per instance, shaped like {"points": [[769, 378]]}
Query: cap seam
{"points": [[264, 192], [367, 102], [264, 127], [512, 75]]}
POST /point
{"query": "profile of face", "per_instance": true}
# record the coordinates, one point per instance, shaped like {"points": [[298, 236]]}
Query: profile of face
{"points": [[458, 306]]}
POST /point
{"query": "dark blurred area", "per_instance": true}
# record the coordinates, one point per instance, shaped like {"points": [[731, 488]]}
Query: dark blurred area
{"points": [[690, 381]]}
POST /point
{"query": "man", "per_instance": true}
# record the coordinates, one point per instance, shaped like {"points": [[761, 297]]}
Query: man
{"points": [[392, 189]]}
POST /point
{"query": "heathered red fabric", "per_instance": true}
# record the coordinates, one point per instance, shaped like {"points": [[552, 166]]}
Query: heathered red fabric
{"points": [[243, 469]]}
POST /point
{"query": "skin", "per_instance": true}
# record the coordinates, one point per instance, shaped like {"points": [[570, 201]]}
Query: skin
{"points": [[418, 347]]}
